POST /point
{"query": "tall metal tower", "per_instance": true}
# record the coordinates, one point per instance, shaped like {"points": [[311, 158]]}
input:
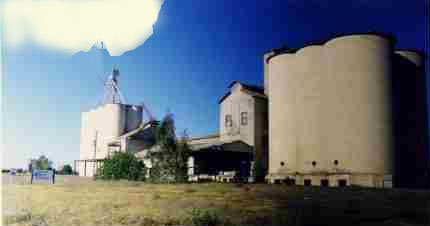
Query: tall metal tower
{"points": [[112, 94]]}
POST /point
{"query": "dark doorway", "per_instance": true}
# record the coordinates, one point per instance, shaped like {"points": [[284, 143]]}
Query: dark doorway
{"points": [[308, 182], [342, 183], [212, 162], [324, 183], [290, 181]]}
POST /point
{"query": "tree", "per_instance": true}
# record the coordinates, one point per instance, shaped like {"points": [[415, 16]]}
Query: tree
{"points": [[170, 155], [67, 170], [122, 165], [42, 163]]}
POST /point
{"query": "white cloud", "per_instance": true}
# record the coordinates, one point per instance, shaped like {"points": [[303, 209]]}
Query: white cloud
{"points": [[76, 25]]}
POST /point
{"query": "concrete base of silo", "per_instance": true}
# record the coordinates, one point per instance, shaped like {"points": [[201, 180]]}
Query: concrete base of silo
{"points": [[331, 179]]}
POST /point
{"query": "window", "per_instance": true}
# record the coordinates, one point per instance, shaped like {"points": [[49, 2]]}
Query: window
{"points": [[244, 118], [228, 121], [308, 182]]}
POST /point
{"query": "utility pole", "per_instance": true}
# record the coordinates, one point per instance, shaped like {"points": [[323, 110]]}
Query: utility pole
{"points": [[95, 154]]}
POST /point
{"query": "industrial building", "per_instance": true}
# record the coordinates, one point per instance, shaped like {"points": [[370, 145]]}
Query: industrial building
{"points": [[112, 126], [351, 110], [242, 138]]}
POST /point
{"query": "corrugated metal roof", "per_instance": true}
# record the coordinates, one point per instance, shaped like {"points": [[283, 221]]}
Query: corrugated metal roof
{"points": [[255, 91], [205, 137], [233, 146]]}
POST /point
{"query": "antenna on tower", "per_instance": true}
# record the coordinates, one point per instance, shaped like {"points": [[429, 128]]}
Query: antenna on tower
{"points": [[112, 93]]}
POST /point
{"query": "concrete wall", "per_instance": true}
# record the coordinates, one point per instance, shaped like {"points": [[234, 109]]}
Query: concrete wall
{"points": [[234, 105], [332, 102]]}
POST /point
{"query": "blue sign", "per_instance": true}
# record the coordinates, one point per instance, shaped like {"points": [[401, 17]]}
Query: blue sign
{"points": [[48, 175], [12, 172]]}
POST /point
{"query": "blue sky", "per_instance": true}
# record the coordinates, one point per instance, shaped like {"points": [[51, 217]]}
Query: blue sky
{"points": [[197, 49]]}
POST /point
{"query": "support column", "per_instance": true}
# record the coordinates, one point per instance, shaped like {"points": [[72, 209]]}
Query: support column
{"points": [[74, 167], [190, 165]]}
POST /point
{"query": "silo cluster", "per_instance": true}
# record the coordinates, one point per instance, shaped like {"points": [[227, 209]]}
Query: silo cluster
{"points": [[331, 111], [104, 124]]}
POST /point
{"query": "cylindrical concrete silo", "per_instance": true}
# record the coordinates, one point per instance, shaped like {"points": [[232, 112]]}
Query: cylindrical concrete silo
{"points": [[410, 119], [332, 103], [357, 109], [112, 120], [266, 71], [311, 65], [282, 114]]}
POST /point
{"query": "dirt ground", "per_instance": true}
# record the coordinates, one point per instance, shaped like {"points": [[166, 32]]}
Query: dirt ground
{"points": [[82, 201]]}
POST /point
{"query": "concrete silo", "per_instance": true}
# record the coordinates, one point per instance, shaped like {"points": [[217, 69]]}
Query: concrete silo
{"points": [[410, 120], [330, 111], [282, 130], [104, 125], [359, 114]]}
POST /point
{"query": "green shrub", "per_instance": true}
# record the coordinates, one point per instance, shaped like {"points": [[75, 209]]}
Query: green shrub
{"points": [[203, 217], [122, 165], [67, 170], [170, 156]]}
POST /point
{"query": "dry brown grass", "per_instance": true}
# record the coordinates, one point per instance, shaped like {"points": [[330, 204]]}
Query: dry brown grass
{"points": [[81, 201]]}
